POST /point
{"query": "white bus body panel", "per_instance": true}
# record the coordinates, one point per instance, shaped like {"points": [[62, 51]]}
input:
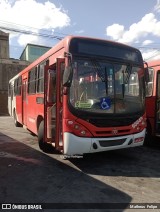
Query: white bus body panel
{"points": [[74, 145], [11, 105], [11, 98]]}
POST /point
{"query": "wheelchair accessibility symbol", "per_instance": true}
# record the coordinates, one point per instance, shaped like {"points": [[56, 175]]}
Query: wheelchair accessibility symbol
{"points": [[105, 103]]}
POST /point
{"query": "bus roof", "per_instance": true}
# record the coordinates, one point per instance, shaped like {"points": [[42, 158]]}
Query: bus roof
{"points": [[153, 63], [62, 44]]}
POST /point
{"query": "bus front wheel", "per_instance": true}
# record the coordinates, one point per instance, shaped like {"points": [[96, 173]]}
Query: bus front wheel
{"points": [[45, 147], [149, 137]]}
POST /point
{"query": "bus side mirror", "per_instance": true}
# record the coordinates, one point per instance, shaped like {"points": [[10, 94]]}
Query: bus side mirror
{"points": [[146, 72], [146, 75], [67, 77]]}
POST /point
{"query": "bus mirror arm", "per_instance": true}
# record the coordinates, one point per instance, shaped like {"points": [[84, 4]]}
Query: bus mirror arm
{"points": [[146, 72], [67, 77], [65, 90]]}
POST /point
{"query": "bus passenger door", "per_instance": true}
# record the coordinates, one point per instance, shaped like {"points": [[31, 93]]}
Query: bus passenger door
{"points": [[53, 104], [24, 102]]}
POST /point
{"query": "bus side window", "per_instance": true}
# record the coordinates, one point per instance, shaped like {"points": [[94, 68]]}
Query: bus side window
{"points": [[149, 82], [17, 86], [10, 90], [32, 81], [40, 79]]}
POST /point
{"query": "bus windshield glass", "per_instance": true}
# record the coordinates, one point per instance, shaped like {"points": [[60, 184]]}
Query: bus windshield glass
{"points": [[100, 86]]}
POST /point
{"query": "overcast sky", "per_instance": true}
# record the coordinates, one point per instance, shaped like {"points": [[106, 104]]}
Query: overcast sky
{"points": [[136, 23]]}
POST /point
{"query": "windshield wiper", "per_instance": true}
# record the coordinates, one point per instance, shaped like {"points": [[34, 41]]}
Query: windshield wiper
{"points": [[126, 75], [106, 81], [102, 73], [99, 69]]}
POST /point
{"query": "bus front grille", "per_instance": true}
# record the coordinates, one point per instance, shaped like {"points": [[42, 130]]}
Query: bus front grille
{"points": [[108, 143], [114, 122]]}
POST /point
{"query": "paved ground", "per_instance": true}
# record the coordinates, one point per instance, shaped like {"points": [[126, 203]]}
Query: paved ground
{"points": [[28, 175]]}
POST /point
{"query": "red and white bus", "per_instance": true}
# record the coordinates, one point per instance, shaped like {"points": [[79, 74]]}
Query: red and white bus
{"points": [[153, 101], [84, 95]]}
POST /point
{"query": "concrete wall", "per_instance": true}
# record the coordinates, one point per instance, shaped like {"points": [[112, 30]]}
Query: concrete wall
{"points": [[4, 45], [8, 69]]}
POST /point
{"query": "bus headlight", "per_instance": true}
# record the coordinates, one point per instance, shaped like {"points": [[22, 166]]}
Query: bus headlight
{"points": [[83, 132], [78, 129]]}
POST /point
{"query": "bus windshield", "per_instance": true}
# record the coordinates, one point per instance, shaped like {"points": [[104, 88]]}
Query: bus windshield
{"points": [[100, 86]]}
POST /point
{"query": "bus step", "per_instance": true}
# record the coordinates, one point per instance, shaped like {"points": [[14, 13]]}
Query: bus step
{"points": [[60, 146]]}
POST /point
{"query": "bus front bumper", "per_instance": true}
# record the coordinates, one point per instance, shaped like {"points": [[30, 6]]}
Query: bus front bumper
{"points": [[74, 145]]}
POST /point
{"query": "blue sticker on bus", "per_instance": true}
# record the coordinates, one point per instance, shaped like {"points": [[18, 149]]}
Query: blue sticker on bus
{"points": [[105, 103]]}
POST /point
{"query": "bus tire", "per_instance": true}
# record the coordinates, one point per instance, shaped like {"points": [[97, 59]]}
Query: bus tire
{"points": [[148, 141], [45, 147], [16, 123]]}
